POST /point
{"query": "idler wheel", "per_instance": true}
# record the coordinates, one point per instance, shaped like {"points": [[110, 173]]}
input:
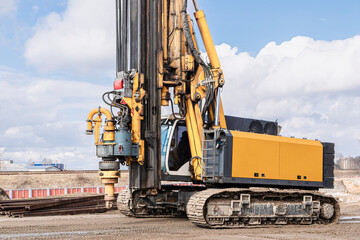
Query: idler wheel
{"points": [[327, 211]]}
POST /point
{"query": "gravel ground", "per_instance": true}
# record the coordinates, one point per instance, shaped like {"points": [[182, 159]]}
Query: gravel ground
{"points": [[112, 225]]}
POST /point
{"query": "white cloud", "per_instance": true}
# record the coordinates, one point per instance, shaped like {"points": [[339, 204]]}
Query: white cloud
{"points": [[27, 100], [311, 86], [7, 7], [82, 39], [45, 118]]}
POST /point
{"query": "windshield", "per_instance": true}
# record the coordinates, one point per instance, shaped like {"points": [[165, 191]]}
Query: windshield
{"points": [[165, 135]]}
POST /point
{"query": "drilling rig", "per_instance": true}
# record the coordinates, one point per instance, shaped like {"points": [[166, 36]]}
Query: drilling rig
{"points": [[234, 172]]}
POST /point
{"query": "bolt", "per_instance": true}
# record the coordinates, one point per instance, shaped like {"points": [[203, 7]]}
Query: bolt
{"points": [[197, 97]]}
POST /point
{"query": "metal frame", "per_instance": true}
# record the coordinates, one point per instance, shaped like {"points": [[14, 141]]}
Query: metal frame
{"points": [[168, 171]]}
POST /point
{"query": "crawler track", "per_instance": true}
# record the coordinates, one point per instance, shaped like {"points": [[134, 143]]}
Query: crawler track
{"points": [[123, 200], [142, 205], [124, 205], [285, 207]]}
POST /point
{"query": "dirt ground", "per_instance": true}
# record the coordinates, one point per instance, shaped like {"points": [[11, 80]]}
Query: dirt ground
{"points": [[55, 180], [112, 225]]}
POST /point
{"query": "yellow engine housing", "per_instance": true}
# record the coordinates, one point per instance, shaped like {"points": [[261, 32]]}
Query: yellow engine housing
{"points": [[245, 158], [274, 157]]}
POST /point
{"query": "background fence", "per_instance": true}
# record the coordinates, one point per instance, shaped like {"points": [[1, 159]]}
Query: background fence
{"points": [[44, 192]]}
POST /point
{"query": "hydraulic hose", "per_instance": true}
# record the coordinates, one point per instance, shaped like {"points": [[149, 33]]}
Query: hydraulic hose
{"points": [[209, 91]]}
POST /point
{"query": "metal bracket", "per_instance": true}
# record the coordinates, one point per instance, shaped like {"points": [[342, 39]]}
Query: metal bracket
{"points": [[150, 136], [235, 206], [281, 209], [307, 201], [306, 221], [316, 207], [255, 221], [281, 221], [245, 200]]}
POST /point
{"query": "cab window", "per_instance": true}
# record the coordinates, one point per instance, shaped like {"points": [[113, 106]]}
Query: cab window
{"points": [[165, 135], [180, 149]]}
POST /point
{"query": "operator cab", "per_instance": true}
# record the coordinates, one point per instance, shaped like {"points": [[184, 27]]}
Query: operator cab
{"points": [[175, 147]]}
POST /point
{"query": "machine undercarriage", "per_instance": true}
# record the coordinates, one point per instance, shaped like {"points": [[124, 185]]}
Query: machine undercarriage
{"points": [[233, 207]]}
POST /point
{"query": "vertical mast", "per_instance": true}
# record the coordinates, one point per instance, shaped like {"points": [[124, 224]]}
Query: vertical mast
{"points": [[138, 33]]}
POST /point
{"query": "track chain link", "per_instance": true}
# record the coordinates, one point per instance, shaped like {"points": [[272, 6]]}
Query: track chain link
{"points": [[196, 208], [123, 201]]}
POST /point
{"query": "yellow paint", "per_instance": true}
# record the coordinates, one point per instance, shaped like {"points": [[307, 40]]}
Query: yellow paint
{"points": [[188, 63], [109, 178], [190, 134], [109, 189], [222, 116], [136, 107], [174, 34], [109, 174], [300, 159], [199, 120], [277, 157], [194, 138], [207, 39], [101, 110], [97, 124], [164, 93], [194, 126], [109, 129], [195, 86], [192, 32], [211, 115], [160, 72], [165, 29]]}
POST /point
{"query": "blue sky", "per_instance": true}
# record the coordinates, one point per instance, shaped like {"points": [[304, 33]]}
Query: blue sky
{"points": [[17, 27], [295, 61], [250, 24], [247, 24]]}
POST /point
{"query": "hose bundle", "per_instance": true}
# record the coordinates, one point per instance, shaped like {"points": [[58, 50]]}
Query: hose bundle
{"points": [[209, 85]]}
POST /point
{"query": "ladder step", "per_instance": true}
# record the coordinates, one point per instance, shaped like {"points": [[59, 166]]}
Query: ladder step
{"points": [[209, 164]]}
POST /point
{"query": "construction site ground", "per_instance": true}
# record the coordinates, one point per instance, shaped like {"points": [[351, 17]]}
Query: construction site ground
{"points": [[112, 225]]}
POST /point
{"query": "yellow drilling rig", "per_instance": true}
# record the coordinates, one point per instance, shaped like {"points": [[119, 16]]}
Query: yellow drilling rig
{"points": [[234, 171]]}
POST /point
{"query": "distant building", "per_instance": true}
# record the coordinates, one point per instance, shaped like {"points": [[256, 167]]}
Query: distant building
{"points": [[44, 169], [10, 166], [349, 163], [58, 165], [6, 161]]}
